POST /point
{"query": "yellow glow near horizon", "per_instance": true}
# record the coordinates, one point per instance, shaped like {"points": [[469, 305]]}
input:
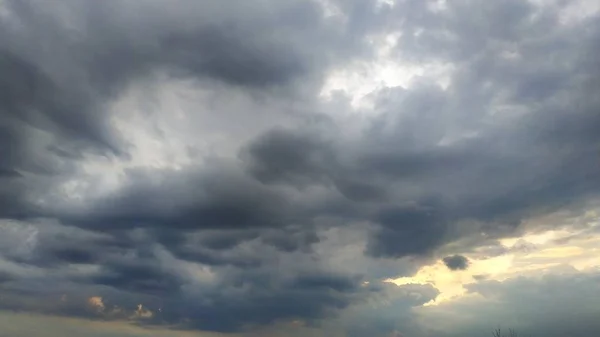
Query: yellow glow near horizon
{"points": [[579, 252]]}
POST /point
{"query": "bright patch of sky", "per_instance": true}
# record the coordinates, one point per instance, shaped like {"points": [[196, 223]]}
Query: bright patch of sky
{"points": [[575, 245], [361, 80]]}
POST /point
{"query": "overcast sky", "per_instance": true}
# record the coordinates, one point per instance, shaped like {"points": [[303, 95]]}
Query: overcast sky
{"points": [[345, 168]]}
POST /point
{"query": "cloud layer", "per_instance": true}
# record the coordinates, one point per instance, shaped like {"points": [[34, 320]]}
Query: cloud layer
{"points": [[186, 156]]}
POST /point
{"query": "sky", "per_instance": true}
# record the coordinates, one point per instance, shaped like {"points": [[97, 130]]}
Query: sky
{"points": [[345, 168]]}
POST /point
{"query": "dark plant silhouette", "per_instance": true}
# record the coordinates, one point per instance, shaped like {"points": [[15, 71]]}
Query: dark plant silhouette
{"points": [[498, 333]]}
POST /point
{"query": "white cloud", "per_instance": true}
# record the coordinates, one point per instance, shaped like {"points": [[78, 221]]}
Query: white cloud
{"points": [[360, 80]]}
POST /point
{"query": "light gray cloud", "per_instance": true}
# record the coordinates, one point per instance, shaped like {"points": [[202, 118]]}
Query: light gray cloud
{"points": [[552, 304]]}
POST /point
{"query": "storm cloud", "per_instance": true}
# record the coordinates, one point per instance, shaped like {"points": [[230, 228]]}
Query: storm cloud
{"points": [[456, 262], [239, 166]]}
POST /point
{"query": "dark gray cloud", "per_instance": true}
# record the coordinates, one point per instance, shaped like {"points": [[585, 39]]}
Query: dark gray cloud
{"points": [[285, 156], [54, 107], [292, 214], [221, 197], [62, 66], [310, 297], [390, 313], [218, 291], [456, 262]]}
